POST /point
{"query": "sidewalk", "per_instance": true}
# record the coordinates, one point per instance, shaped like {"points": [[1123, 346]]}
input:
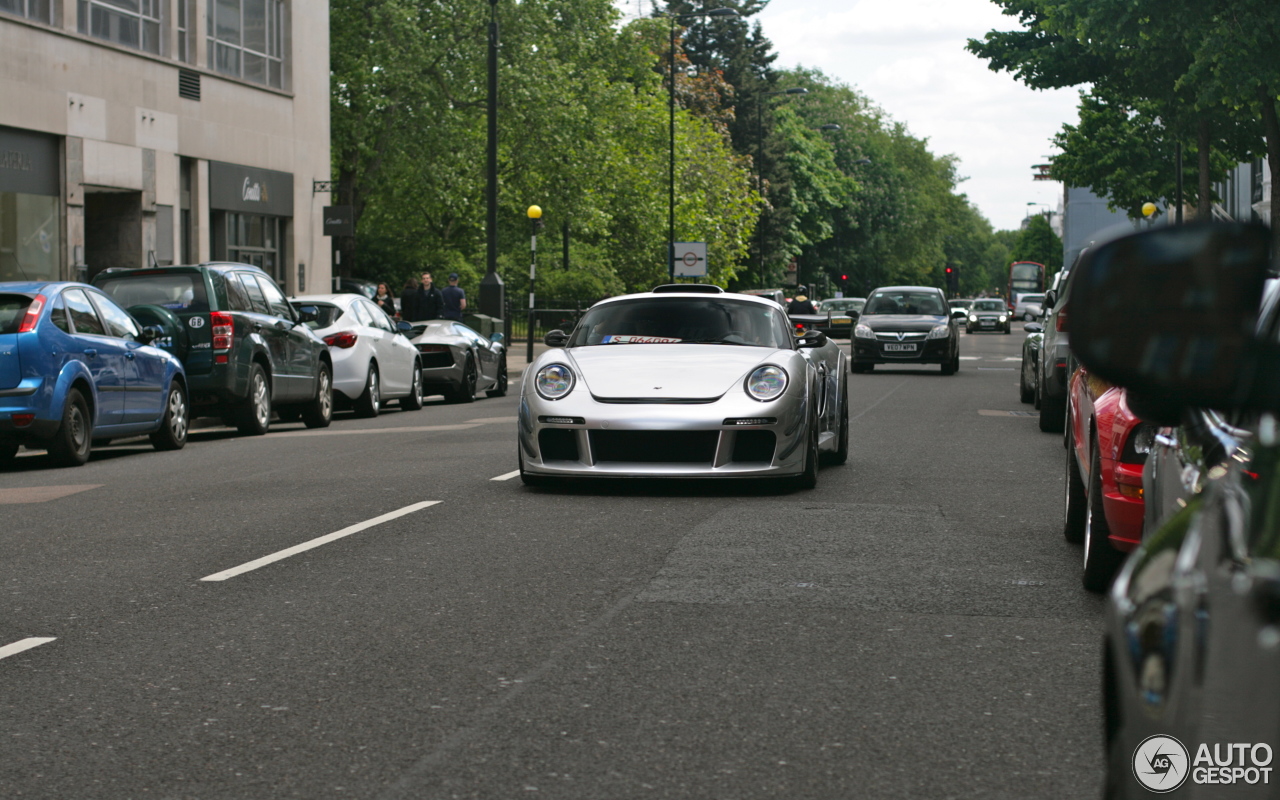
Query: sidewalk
{"points": [[516, 352]]}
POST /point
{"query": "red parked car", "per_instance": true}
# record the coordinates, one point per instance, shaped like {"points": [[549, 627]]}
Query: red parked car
{"points": [[1107, 447]]}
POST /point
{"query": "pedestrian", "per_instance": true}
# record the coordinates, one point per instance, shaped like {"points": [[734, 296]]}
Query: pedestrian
{"points": [[428, 302], [384, 300], [801, 305], [455, 299], [409, 300]]}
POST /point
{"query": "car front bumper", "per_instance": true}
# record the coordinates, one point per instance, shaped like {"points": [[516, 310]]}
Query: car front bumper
{"points": [[928, 351]]}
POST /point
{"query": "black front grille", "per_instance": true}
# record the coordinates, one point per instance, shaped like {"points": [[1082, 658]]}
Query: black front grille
{"points": [[754, 446], [558, 444], [188, 84], [436, 360], [655, 447]]}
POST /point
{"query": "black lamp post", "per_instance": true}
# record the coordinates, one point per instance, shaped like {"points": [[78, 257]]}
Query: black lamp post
{"points": [[671, 114], [492, 292], [760, 168]]}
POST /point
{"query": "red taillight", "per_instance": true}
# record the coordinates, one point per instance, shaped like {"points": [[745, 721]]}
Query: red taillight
{"points": [[29, 319], [433, 348], [224, 329], [344, 339], [1060, 323], [23, 420]]}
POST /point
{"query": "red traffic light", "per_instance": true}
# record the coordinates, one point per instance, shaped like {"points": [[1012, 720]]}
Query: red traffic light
{"points": [[844, 277], [948, 270]]}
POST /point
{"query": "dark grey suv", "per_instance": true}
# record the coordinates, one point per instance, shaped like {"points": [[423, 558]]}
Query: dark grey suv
{"points": [[245, 349]]}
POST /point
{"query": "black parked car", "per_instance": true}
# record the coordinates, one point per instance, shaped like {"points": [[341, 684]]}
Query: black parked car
{"points": [[245, 349], [906, 325], [1192, 635], [1054, 362]]}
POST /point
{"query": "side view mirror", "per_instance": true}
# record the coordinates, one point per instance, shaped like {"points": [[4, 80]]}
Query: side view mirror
{"points": [[958, 313], [403, 326], [149, 333], [498, 338], [1050, 300], [811, 339], [1033, 327], [556, 338], [308, 314], [1170, 313]]}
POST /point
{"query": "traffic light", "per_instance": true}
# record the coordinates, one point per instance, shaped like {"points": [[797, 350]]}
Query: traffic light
{"points": [[953, 281]]}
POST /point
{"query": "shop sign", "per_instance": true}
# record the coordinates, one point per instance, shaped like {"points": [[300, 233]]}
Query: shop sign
{"points": [[250, 190], [339, 221], [28, 162]]}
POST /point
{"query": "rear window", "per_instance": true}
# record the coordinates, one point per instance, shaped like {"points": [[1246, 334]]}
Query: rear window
{"points": [[180, 291], [12, 309], [904, 302], [326, 314]]}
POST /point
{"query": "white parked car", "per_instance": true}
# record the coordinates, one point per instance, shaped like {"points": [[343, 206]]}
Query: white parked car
{"points": [[1028, 306], [373, 361]]}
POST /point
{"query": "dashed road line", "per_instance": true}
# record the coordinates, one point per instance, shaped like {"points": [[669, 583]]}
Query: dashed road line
{"points": [[23, 645], [43, 494], [506, 476], [322, 540]]}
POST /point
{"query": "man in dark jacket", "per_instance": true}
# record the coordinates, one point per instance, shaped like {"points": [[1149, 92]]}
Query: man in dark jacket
{"points": [[428, 303], [455, 299], [801, 305], [409, 300]]}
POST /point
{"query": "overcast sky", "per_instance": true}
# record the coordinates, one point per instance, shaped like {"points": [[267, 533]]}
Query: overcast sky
{"points": [[908, 56]]}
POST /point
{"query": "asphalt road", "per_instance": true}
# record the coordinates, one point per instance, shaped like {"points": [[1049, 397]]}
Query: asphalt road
{"points": [[913, 628]]}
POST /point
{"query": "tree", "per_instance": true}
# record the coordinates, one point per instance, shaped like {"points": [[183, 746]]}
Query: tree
{"points": [[1039, 243]]}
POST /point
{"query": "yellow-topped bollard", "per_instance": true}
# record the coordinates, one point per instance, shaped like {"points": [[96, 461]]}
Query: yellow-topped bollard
{"points": [[1148, 209], [534, 212]]}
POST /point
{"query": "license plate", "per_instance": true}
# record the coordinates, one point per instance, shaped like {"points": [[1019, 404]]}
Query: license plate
{"points": [[900, 348], [987, 323]]}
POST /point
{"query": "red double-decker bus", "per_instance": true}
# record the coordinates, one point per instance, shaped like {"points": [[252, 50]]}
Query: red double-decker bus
{"points": [[1024, 277]]}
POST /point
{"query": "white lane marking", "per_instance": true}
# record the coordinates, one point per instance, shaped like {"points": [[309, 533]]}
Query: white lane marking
{"points": [[878, 402], [314, 543], [970, 358], [507, 476], [24, 645], [487, 420]]}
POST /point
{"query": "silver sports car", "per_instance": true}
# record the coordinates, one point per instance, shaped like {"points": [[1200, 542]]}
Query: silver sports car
{"points": [[458, 361], [684, 381]]}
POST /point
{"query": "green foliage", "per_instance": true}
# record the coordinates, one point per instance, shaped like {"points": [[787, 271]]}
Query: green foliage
{"points": [[1038, 243]]}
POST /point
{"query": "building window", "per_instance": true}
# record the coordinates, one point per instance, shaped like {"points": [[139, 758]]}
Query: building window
{"points": [[254, 239], [184, 48], [132, 23], [246, 39], [41, 10]]}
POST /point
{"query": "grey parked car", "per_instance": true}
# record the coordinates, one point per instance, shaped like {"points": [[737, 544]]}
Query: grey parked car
{"points": [[1054, 362], [458, 361]]}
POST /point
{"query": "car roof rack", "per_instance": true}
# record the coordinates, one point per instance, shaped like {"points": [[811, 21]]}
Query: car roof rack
{"points": [[688, 288]]}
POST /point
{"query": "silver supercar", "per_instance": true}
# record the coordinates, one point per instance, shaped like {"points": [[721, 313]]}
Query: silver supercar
{"points": [[686, 381]]}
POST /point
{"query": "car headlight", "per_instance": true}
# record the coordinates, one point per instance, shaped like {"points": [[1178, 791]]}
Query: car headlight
{"points": [[940, 332], [864, 332], [767, 383], [553, 381], [1004, 318], [973, 317]]}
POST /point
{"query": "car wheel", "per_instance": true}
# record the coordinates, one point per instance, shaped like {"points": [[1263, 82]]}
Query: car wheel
{"points": [[414, 401], [1008, 329], [319, 412], [370, 403], [172, 434], [952, 364], [500, 388], [74, 439], [1052, 411], [466, 391], [1101, 559], [1036, 388], [1025, 393], [862, 369], [841, 454], [809, 478], [253, 418], [1073, 515]]}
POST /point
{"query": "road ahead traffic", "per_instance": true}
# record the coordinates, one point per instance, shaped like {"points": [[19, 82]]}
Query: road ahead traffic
{"points": [[381, 610]]}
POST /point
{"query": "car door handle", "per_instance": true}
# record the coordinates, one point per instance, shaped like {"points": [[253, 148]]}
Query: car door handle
{"points": [[91, 353]]}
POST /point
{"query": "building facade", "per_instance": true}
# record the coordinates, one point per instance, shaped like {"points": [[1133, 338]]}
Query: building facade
{"points": [[142, 132]]}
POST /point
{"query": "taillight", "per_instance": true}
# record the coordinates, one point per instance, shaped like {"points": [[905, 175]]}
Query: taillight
{"points": [[23, 420], [224, 328], [1060, 322], [344, 339], [29, 319]]}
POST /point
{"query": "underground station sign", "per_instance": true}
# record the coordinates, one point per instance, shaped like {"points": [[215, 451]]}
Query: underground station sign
{"points": [[690, 259]]}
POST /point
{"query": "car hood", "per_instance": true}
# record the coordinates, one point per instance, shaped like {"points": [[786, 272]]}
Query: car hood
{"points": [[902, 322], [667, 371]]}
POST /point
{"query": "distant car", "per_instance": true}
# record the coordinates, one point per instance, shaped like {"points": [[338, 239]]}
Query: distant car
{"points": [[344, 285], [457, 361], [988, 314], [776, 295], [1107, 448], [843, 313], [1030, 353], [686, 381], [1028, 307], [246, 352], [75, 367], [906, 325], [959, 303], [373, 361]]}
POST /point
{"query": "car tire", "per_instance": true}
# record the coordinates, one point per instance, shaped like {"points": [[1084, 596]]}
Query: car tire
{"points": [[1075, 504], [841, 454], [466, 391], [1025, 393], [1101, 559], [1052, 413], [415, 399], [175, 422], [500, 387], [73, 440], [253, 417], [862, 369], [809, 478], [1008, 329], [319, 412], [369, 403]]}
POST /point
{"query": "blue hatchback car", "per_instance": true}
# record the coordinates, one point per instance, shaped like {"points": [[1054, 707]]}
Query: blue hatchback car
{"points": [[75, 367]]}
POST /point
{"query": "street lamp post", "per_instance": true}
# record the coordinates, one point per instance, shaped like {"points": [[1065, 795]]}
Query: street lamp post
{"points": [[760, 169], [671, 129], [492, 292], [535, 221]]}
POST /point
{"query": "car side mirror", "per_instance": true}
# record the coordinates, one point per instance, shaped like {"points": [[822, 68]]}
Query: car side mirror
{"points": [[556, 338], [1050, 300], [404, 327], [498, 338], [811, 339], [308, 314], [1033, 327], [958, 313], [149, 333], [1171, 313]]}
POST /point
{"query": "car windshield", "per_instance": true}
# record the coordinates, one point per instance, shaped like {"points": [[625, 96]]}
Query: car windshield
{"points": [[904, 302], [177, 291], [1032, 298], [683, 320], [326, 314], [989, 305], [13, 307]]}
